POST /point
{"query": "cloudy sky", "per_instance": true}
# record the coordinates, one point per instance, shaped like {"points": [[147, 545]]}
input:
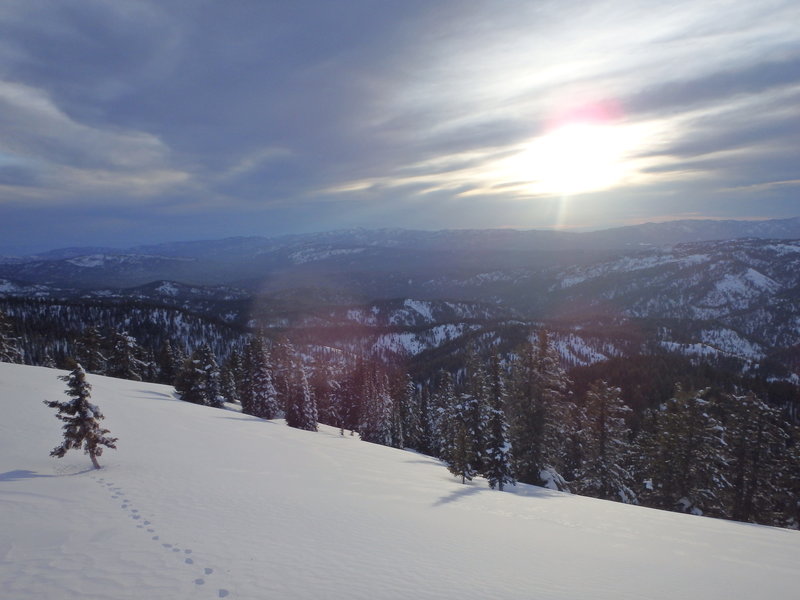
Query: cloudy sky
{"points": [[125, 122]]}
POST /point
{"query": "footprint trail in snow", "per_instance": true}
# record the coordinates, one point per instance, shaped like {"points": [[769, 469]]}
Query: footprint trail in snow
{"points": [[135, 515]]}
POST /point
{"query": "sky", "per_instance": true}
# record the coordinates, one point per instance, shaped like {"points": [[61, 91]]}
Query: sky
{"points": [[125, 122]]}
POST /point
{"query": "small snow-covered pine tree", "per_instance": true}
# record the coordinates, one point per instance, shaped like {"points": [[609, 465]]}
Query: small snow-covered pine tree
{"points": [[81, 419]]}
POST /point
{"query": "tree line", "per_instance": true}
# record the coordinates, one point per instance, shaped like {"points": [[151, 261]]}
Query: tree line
{"points": [[509, 418]]}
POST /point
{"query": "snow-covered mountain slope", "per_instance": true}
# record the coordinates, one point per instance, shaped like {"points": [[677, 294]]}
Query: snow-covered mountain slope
{"points": [[204, 503]]}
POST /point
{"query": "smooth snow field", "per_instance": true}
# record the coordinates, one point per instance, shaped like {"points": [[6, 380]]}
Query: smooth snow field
{"points": [[205, 503]]}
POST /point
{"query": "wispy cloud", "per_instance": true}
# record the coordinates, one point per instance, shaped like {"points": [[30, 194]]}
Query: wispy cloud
{"points": [[48, 147], [277, 110]]}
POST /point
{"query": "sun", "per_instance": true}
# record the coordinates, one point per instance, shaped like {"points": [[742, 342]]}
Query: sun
{"points": [[574, 158]]}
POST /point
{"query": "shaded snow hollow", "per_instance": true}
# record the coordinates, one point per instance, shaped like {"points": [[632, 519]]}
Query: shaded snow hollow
{"points": [[205, 503]]}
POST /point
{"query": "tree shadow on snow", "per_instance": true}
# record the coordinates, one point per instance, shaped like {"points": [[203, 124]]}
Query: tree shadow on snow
{"points": [[157, 395], [240, 417], [21, 474], [458, 494], [431, 461]]}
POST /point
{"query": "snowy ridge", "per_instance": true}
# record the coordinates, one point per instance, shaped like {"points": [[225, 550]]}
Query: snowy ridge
{"points": [[408, 312], [411, 344], [730, 342], [282, 513], [579, 351], [629, 264], [15, 289], [740, 288], [101, 260], [307, 255]]}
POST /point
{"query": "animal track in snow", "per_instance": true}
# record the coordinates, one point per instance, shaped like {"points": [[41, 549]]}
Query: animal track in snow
{"points": [[135, 514]]}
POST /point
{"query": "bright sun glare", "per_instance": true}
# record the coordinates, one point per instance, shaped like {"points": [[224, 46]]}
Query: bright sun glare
{"points": [[575, 158]]}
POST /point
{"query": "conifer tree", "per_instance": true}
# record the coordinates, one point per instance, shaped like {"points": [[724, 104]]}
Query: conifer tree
{"points": [[476, 406], [150, 370], [301, 412], [290, 380], [198, 380], [207, 363], [89, 351], [123, 360], [285, 372], [249, 363], [352, 393], [408, 414], [325, 386], [604, 472], [264, 400], [539, 409], [377, 411], [681, 456], [788, 500], [756, 448], [81, 419], [445, 409], [9, 344], [497, 463], [428, 442], [48, 360], [336, 405], [168, 364], [461, 453], [228, 387], [189, 382]]}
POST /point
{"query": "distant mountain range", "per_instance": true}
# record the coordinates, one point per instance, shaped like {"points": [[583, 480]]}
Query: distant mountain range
{"points": [[706, 289], [300, 260]]}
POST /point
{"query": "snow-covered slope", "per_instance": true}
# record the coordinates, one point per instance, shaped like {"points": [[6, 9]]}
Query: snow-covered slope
{"points": [[204, 503]]}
